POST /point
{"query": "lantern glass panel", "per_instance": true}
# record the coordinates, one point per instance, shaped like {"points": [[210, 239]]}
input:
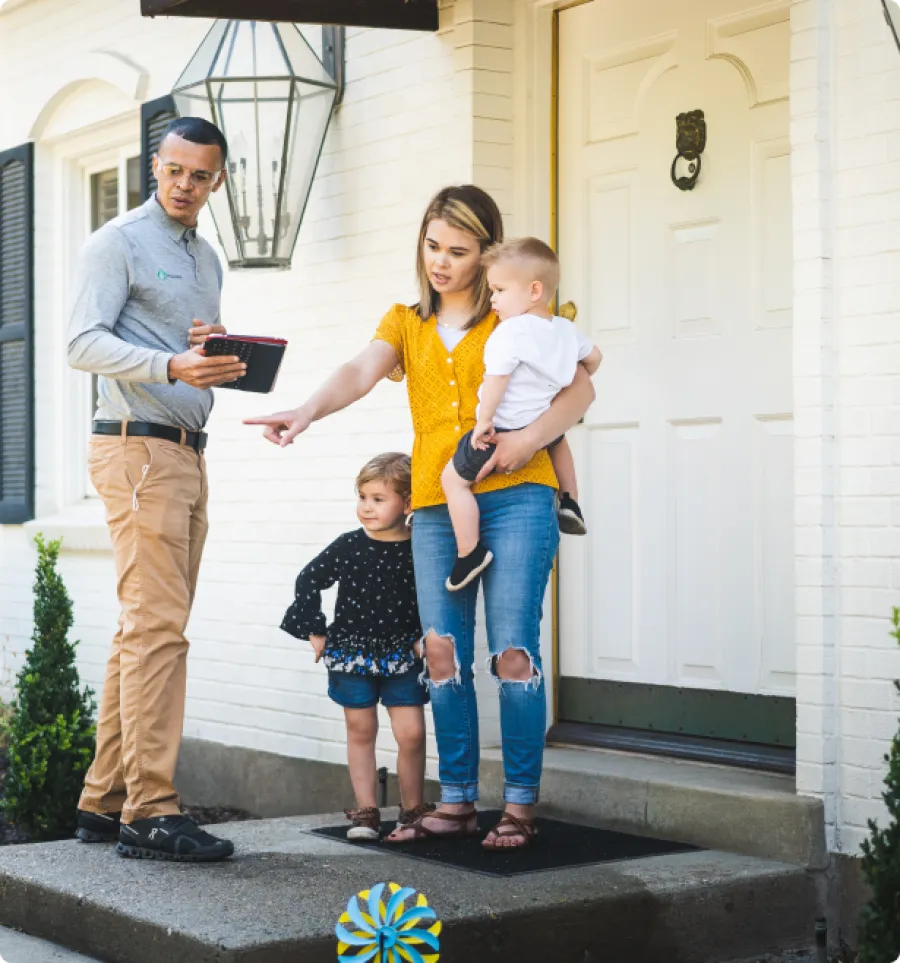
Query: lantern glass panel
{"points": [[204, 59], [312, 108], [268, 92]]}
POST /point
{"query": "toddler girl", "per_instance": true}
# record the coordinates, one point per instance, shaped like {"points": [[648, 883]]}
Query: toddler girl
{"points": [[369, 647]]}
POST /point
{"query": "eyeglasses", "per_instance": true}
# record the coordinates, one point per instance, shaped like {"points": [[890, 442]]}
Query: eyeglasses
{"points": [[175, 172]]}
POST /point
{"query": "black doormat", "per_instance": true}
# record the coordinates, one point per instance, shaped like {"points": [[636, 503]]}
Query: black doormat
{"points": [[558, 846]]}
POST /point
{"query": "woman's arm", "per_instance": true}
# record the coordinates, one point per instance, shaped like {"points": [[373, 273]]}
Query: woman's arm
{"points": [[352, 381], [517, 448]]}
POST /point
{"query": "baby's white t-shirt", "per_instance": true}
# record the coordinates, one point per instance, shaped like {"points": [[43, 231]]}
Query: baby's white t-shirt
{"points": [[540, 355]]}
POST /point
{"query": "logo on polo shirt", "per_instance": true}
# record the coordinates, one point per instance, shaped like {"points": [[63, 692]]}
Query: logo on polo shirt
{"points": [[164, 276]]}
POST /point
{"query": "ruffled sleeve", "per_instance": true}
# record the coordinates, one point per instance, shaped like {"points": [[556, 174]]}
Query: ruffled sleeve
{"points": [[305, 616]]}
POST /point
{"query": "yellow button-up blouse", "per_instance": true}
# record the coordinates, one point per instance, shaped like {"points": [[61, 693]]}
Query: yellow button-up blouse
{"points": [[443, 395]]}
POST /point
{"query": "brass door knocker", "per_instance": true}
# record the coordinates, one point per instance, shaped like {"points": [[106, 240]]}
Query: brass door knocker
{"points": [[690, 140]]}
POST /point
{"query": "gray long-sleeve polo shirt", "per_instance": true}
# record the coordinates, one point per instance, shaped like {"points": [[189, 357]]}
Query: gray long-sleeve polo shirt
{"points": [[142, 279]]}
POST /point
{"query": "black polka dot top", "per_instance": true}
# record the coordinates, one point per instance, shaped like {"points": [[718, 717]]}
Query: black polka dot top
{"points": [[376, 619]]}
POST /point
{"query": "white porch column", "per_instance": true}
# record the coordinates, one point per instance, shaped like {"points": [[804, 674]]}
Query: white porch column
{"points": [[812, 120]]}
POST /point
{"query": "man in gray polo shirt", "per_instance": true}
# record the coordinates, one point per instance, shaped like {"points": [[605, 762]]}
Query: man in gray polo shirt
{"points": [[147, 296]]}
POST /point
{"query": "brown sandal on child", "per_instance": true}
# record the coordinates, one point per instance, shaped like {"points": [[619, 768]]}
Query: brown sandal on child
{"points": [[419, 831], [510, 825], [365, 824]]}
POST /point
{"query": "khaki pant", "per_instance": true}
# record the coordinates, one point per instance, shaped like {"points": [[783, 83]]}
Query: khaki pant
{"points": [[155, 493]]}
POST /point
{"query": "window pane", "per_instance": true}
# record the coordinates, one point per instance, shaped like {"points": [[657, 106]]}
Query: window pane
{"points": [[104, 197], [134, 182]]}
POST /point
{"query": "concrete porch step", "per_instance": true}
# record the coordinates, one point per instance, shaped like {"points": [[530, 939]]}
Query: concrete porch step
{"points": [[278, 901], [21, 948], [719, 807]]}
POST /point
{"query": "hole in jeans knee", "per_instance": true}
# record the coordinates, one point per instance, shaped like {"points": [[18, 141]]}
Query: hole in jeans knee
{"points": [[440, 659], [515, 665]]}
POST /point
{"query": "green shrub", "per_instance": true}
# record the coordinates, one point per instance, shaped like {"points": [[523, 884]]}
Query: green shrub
{"points": [[6, 715], [879, 939], [51, 736]]}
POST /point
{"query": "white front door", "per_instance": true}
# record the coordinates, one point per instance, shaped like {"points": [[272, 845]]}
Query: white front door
{"points": [[685, 460]]}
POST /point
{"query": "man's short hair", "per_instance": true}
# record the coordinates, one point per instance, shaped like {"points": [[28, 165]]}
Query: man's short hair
{"points": [[532, 255], [196, 130]]}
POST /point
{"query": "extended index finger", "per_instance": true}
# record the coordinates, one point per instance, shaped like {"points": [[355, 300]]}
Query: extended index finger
{"points": [[277, 419]]}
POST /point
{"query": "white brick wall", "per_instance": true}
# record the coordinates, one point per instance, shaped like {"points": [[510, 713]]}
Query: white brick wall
{"points": [[845, 112]]}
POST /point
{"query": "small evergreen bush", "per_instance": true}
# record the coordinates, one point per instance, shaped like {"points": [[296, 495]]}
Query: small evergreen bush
{"points": [[6, 715], [51, 735], [879, 938]]}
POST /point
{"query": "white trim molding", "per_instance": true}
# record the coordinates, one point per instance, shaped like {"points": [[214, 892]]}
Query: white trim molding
{"points": [[104, 65]]}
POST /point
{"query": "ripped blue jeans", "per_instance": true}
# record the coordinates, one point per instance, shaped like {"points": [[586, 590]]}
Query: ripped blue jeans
{"points": [[519, 526]]}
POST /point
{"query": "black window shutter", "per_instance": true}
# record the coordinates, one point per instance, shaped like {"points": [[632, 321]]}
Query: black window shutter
{"points": [[156, 115], [16, 335]]}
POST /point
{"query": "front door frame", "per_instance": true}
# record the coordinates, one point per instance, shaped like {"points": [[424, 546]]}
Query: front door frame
{"points": [[537, 182]]}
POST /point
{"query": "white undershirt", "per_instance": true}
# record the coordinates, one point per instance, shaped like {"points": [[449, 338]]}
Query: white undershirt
{"points": [[451, 336]]}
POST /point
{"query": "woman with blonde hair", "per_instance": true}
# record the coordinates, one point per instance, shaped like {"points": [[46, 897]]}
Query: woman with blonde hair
{"points": [[437, 344]]}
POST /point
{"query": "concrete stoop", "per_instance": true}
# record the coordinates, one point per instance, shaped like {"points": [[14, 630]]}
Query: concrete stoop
{"points": [[278, 901], [20, 948], [719, 807]]}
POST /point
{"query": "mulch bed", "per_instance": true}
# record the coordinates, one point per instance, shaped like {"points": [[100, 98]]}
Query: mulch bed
{"points": [[205, 815]]}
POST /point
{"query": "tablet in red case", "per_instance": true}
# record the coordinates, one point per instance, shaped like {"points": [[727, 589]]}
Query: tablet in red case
{"points": [[261, 355]]}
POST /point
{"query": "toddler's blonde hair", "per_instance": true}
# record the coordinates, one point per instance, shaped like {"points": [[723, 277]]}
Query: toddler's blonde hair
{"points": [[532, 255], [393, 468]]}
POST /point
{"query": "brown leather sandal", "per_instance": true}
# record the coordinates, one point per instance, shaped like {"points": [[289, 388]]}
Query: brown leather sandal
{"points": [[520, 827], [408, 816], [460, 820]]}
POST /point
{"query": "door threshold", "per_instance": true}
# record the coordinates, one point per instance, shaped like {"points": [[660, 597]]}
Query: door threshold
{"points": [[721, 751]]}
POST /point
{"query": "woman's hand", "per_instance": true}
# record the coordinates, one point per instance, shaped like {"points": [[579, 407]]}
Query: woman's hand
{"points": [[201, 331], [514, 450], [318, 644], [284, 426]]}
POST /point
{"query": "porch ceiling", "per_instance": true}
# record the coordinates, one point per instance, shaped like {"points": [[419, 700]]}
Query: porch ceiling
{"points": [[399, 14]]}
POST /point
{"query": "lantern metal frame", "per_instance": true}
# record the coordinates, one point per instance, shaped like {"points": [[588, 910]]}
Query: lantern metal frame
{"points": [[889, 17]]}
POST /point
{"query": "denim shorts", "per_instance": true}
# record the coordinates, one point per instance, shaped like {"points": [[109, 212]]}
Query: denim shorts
{"points": [[354, 691], [468, 461]]}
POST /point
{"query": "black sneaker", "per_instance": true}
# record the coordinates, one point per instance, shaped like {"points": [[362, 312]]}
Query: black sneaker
{"points": [[571, 521], [175, 838], [97, 827], [467, 568]]}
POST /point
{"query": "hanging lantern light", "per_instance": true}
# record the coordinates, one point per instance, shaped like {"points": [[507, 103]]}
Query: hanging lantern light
{"points": [[264, 87], [892, 16]]}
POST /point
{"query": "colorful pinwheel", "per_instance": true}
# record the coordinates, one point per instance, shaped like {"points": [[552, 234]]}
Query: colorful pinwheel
{"points": [[372, 929]]}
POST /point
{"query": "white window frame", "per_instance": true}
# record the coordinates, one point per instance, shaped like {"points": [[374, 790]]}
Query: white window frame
{"points": [[95, 164], [63, 219]]}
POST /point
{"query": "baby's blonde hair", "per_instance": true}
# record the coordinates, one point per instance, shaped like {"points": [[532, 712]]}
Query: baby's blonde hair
{"points": [[532, 255], [393, 468]]}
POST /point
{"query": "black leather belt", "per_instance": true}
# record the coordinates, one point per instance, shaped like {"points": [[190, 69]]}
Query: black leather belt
{"points": [[144, 429]]}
